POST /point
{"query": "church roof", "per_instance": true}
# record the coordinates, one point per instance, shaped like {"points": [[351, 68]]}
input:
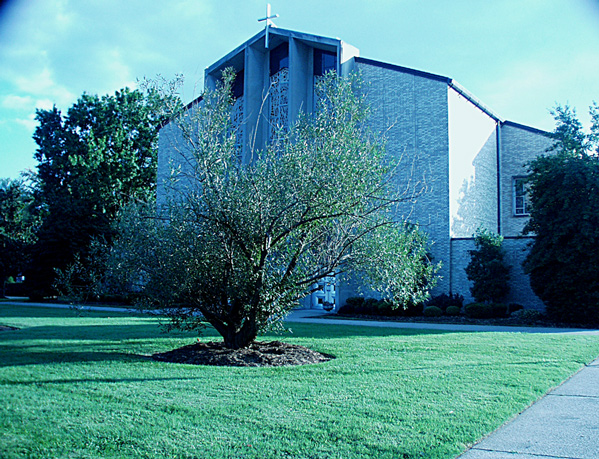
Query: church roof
{"points": [[235, 58]]}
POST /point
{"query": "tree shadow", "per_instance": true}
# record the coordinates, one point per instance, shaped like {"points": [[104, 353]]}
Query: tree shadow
{"points": [[24, 357], [101, 380]]}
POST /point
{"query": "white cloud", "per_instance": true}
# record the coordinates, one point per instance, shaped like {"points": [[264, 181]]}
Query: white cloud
{"points": [[114, 69], [44, 104], [29, 123], [42, 84], [15, 102]]}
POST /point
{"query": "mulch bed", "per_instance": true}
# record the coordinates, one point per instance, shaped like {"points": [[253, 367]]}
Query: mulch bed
{"points": [[258, 354]]}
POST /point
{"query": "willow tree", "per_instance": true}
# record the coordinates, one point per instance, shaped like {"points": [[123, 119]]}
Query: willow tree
{"points": [[238, 243]]}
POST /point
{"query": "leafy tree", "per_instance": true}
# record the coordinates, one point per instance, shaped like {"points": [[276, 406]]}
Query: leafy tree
{"points": [[487, 270], [18, 221], [241, 243], [564, 193], [92, 161]]}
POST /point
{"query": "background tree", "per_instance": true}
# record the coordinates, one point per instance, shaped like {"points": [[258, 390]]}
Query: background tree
{"points": [[487, 269], [18, 221], [564, 194], [242, 243], [92, 161]]}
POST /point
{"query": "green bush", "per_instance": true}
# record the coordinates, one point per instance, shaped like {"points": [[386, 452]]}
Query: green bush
{"points": [[444, 301], [478, 311], [453, 311], [499, 310], [513, 307], [563, 261], [368, 306], [353, 305], [410, 310], [486, 310], [372, 307], [432, 311], [385, 308], [528, 316], [487, 270]]}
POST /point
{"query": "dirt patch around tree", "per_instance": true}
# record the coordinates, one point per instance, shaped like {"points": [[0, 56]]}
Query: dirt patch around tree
{"points": [[258, 354]]}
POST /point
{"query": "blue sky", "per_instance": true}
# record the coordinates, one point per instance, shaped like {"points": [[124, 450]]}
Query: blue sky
{"points": [[519, 57]]}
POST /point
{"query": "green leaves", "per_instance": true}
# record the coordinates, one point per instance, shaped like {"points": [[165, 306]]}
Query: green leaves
{"points": [[18, 222], [92, 161], [242, 242], [564, 194], [487, 270]]}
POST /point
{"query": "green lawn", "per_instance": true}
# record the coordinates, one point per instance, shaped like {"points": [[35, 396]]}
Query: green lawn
{"points": [[80, 386]]}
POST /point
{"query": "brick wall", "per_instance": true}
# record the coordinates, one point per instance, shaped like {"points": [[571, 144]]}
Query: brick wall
{"points": [[412, 111], [519, 145], [516, 250]]}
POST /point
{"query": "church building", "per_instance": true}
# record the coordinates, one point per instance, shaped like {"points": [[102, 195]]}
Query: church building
{"points": [[471, 160]]}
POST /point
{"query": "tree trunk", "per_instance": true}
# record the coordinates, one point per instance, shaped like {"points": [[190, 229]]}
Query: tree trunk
{"points": [[238, 338], [237, 333]]}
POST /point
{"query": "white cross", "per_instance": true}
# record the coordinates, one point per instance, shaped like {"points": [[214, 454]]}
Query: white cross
{"points": [[269, 22]]}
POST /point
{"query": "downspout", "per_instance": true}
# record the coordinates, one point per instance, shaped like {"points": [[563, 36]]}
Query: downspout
{"points": [[498, 142]]}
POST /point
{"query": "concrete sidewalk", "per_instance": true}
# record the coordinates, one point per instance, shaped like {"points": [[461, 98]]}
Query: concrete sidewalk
{"points": [[316, 316], [563, 424]]}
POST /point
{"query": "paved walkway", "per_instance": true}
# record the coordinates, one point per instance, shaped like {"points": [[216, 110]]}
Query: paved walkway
{"points": [[319, 317], [562, 425]]}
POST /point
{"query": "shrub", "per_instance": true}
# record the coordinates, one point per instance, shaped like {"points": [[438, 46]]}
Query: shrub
{"points": [[486, 310], [513, 307], [432, 311], [374, 307], [353, 305], [487, 270], [444, 301], [371, 306], [528, 316], [499, 310], [478, 311], [453, 311], [385, 308], [14, 289], [368, 306]]}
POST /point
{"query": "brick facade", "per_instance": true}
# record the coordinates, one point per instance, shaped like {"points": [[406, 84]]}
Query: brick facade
{"points": [[457, 156]]}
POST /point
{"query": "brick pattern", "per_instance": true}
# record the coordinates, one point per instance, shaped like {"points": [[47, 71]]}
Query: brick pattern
{"points": [[518, 147], [412, 112]]}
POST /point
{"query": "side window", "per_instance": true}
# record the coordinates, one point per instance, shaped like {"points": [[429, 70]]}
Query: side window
{"points": [[521, 205]]}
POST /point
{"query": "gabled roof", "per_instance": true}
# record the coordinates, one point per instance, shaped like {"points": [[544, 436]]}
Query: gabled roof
{"points": [[273, 32], [326, 42], [431, 76]]}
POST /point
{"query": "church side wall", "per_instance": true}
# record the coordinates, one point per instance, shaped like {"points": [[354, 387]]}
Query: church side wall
{"points": [[411, 111], [170, 146], [472, 167], [518, 146]]}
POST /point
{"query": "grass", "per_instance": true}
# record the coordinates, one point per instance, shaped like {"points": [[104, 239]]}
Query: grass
{"points": [[80, 386]]}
